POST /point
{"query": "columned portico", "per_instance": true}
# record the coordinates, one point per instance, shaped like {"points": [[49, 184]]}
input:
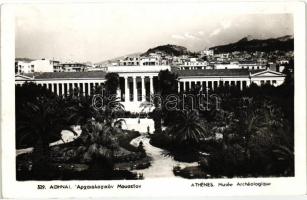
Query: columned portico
{"points": [[143, 88], [151, 85], [134, 88], [137, 80], [127, 92]]}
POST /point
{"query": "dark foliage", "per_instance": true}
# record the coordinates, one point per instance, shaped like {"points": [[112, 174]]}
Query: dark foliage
{"points": [[173, 50], [112, 83]]}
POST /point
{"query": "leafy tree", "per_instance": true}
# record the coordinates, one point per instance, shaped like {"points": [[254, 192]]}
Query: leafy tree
{"points": [[156, 115], [167, 82], [112, 83]]}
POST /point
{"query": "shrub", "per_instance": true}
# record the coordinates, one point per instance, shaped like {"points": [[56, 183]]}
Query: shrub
{"points": [[161, 140]]}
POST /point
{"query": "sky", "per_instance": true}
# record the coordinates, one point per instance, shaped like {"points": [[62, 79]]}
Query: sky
{"points": [[98, 32]]}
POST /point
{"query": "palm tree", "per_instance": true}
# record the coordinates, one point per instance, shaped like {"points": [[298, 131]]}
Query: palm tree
{"points": [[43, 122], [83, 110], [111, 106], [188, 128], [98, 147], [80, 110], [249, 123]]}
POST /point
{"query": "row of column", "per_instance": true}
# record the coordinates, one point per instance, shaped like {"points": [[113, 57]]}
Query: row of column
{"points": [[134, 83], [211, 84], [85, 88]]}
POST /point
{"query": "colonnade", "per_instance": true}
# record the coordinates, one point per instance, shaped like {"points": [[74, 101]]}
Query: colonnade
{"points": [[128, 91], [185, 85], [131, 91], [64, 88]]}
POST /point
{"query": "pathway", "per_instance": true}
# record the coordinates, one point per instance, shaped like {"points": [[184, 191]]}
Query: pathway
{"points": [[161, 164]]}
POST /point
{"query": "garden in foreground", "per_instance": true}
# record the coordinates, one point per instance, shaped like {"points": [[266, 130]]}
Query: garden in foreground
{"points": [[250, 134]]}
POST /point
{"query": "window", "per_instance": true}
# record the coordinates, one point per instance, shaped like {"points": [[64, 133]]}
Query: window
{"points": [[262, 82]]}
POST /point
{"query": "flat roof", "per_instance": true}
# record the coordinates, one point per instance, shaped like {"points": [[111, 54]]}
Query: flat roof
{"points": [[68, 75], [216, 72]]}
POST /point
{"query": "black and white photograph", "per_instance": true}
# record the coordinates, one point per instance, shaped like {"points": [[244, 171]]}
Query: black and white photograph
{"points": [[153, 91]]}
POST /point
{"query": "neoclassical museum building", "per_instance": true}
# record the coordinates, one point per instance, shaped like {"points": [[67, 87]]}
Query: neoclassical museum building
{"points": [[138, 82]]}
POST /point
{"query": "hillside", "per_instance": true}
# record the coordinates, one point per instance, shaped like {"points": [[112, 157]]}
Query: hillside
{"points": [[285, 43], [117, 58], [24, 59], [173, 50]]}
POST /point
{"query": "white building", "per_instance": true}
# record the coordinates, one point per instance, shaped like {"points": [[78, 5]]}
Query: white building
{"points": [[207, 52], [74, 67], [43, 65], [149, 61], [138, 83], [129, 61], [237, 65], [241, 78], [194, 63], [22, 67]]}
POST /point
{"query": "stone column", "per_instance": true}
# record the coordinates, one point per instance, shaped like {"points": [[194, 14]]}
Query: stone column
{"points": [[134, 89], [63, 92], [151, 85], [58, 88], [126, 89], [241, 85], [118, 93], [178, 86], [143, 88], [89, 89], [184, 86], [72, 88]]}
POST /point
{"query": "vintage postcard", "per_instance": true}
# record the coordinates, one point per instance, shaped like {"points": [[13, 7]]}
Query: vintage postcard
{"points": [[137, 99]]}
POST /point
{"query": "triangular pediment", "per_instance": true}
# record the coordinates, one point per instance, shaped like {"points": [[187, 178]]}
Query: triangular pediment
{"points": [[267, 73], [22, 77]]}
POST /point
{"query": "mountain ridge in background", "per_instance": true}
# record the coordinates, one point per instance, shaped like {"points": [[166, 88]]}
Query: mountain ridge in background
{"points": [[169, 49], [248, 43], [285, 43]]}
